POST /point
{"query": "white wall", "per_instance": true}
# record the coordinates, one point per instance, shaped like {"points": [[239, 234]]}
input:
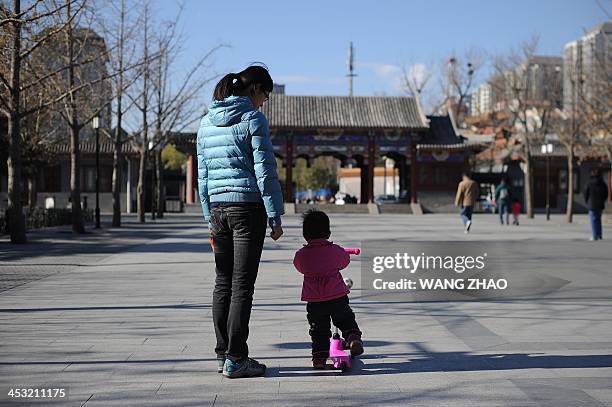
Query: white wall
{"points": [[352, 185]]}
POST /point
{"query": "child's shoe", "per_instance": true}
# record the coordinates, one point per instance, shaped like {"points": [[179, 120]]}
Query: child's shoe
{"points": [[356, 347], [319, 363]]}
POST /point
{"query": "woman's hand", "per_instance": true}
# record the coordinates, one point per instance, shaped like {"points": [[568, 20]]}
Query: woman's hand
{"points": [[277, 232]]}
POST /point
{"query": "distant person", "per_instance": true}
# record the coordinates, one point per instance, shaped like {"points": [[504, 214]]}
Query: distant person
{"points": [[324, 290], [502, 200], [240, 195], [516, 211], [596, 195], [467, 193]]}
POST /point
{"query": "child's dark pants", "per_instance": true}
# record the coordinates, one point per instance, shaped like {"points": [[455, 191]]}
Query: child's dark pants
{"points": [[319, 314]]}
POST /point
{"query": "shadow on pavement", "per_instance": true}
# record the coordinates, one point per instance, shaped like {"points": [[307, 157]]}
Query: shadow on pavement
{"points": [[306, 345], [106, 308], [453, 362]]}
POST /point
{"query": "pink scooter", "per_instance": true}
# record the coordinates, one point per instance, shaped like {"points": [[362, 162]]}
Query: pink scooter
{"points": [[340, 358]]}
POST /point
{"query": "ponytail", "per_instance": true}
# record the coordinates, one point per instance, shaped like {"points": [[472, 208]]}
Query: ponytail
{"points": [[226, 86], [235, 83]]}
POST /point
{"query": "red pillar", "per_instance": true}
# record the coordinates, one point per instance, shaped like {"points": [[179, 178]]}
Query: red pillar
{"points": [[192, 175], [289, 169], [371, 164], [363, 178], [413, 171]]}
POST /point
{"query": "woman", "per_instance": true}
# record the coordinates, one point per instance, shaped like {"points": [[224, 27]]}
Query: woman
{"points": [[240, 192]]}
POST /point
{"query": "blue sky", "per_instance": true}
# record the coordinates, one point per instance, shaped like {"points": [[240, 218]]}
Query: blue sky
{"points": [[305, 43]]}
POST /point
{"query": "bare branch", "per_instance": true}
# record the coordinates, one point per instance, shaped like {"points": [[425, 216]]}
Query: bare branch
{"points": [[50, 34]]}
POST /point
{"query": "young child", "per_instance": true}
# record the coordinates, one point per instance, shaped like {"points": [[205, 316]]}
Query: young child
{"points": [[324, 290], [516, 211]]}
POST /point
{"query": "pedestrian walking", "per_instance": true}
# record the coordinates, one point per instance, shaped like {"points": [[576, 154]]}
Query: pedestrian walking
{"points": [[516, 211], [596, 195], [502, 200], [467, 193]]}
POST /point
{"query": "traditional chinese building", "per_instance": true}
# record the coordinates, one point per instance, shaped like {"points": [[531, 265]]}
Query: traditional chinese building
{"points": [[359, 131]]}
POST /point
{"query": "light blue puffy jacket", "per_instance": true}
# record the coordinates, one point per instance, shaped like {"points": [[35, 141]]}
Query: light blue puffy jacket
{"points": [[235, 158]]}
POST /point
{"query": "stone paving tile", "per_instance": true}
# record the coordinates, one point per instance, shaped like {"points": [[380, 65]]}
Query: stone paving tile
{"points": [[132, 325]]}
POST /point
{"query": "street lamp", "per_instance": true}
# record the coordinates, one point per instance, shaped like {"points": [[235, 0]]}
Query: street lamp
{"points": [[547, 150], [95, 123]]}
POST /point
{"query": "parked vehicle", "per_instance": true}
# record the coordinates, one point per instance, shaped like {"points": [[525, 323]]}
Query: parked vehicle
{"points": [[385, 199]]}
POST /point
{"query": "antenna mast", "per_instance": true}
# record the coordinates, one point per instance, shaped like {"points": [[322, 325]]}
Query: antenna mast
{"points": [[351, 74]]}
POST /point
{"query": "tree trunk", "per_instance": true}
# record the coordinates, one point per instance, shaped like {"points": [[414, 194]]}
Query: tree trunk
{"points": [[75, 149], [569, 214], [117, 179], [161, 196], [140, 197], [154, 186], [32, 191], [16, 220], [118, 141], [528, 186], [140, 204], [75, 178]]}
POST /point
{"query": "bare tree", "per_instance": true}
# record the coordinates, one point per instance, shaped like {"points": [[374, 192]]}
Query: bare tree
{"points": [[457, 78], [593, 95], [415, 78], [121, 29], [85, 81], [140, 97], [573, 126], [174, 108], [37, 141], [527, 117], [165, 103], [12, 110], [567, 127], [15, 24]]}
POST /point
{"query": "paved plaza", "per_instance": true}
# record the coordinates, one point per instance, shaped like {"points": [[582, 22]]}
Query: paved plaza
{"points": [[123, 318]]}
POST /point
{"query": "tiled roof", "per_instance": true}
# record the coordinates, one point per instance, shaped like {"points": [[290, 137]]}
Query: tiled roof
{"points": [[441, 131], [458, 146], [347, 112], [442, 135]]}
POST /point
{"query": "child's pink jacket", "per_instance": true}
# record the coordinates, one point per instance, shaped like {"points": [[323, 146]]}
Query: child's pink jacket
{"points": [[321, 261]]}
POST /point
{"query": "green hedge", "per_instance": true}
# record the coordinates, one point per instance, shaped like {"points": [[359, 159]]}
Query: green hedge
{"points": [[40, 218]]}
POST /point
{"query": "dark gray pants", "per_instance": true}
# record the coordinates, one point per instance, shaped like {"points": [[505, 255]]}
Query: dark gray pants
{"points": [[319, 315], [238, 233]]}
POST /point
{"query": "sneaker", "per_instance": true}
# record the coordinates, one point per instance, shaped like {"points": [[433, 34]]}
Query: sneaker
{"points": [[319, 363], [244, 368], [356, 347], [468, 225], [220, 363]]}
